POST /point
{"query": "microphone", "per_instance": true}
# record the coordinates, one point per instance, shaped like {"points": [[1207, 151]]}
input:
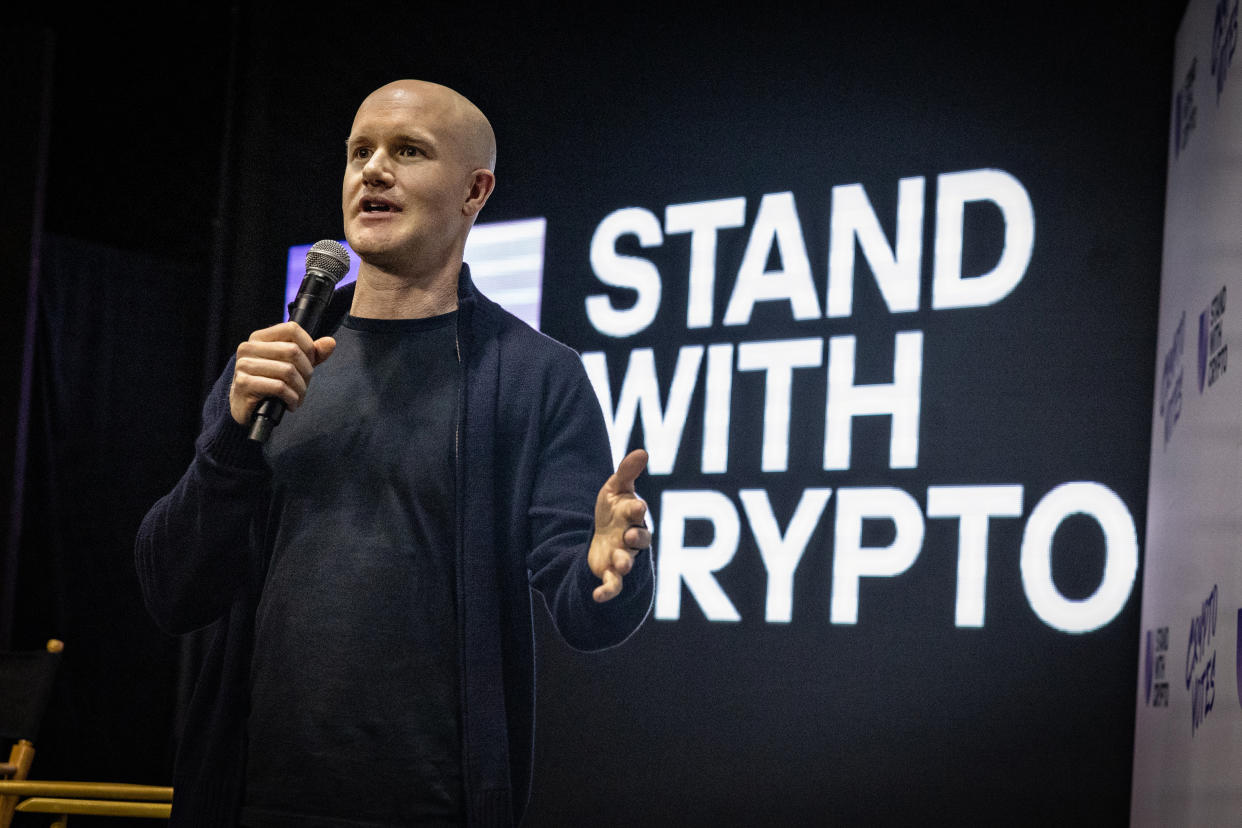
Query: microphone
{"points": [[326, 262]]}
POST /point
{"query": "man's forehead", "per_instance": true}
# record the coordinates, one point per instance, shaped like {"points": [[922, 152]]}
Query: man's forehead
{"points": [[388, 129]]}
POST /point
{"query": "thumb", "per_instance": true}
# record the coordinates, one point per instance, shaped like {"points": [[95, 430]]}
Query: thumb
{"points": [[324, 346], [628, 470]]}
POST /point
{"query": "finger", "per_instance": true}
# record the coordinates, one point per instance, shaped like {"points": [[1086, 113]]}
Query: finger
{"points": [[637, 537], [281, 351], [286, 332], [249, 392], [256, 367], [628, 470], [255, 387], [608, 590], [622, 561]]}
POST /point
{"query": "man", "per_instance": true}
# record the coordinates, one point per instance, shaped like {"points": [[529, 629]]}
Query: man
{"points": [[367, 573]]}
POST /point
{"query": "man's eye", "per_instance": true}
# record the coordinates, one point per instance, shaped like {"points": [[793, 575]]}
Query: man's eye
{"points": [[361, 152], [409, 152]]}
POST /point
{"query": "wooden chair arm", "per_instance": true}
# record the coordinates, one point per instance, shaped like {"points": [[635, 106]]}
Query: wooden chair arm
{"points": [[95, 807], [85, 790]]}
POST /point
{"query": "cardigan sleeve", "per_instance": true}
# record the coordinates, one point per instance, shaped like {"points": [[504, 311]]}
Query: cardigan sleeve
{"points": [[193, 549], [574, 461]]}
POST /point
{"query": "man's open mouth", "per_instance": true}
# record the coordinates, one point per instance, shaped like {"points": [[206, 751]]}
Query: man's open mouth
{"points": [[372, 206]]}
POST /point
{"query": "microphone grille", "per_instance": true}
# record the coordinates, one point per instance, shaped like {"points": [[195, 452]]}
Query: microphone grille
{"points": [[328, 257]]}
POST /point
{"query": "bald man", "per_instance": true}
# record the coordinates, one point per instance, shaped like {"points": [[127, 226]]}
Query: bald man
{"points": [[366, 575]]}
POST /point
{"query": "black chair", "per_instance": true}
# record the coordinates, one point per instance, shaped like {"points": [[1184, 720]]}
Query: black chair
{"points": [[26, 682]]}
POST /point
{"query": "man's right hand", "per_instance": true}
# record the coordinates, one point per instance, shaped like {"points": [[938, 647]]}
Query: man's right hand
{"points": [[275, 362]]}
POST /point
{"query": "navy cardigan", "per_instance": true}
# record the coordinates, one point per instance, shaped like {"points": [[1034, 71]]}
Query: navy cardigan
{"points": [[533, 452]]}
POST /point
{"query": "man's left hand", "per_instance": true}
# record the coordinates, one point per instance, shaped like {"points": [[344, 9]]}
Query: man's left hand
{"points": [[620, 533]]}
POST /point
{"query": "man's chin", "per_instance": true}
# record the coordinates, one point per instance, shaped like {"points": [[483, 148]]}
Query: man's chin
{"points": [[371, 250], [378, 256]]}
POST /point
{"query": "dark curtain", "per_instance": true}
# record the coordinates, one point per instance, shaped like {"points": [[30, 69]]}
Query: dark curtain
{"points": [[114, 413]]}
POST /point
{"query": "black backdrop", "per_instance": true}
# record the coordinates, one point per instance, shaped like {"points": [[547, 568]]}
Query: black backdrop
{"points": [[186, 155]]}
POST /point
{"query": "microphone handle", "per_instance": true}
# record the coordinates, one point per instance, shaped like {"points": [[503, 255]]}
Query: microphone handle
{"points": [[306, 309]]}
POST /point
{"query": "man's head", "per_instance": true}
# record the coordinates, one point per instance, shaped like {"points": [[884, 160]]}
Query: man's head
{"points": [[418, 170]]}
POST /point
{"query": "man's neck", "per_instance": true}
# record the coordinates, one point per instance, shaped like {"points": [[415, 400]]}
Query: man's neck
{"points": [[384, 295]]}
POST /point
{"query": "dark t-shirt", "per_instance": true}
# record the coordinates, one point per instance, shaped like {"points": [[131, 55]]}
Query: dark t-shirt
{"points": [[355, 712]]}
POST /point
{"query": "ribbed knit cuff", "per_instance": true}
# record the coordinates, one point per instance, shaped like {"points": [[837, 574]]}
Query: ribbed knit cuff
{"points": [[621, 615], [227, 444]]}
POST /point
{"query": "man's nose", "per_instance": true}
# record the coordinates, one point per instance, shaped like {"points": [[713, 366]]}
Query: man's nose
{"points": [[376, 172]]}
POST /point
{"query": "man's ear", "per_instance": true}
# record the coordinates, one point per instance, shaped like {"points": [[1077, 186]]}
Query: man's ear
{"points": [[481, 185]]}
